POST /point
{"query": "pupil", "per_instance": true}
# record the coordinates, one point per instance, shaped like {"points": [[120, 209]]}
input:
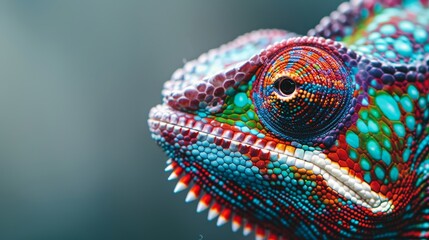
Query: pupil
{"points": [[286, 86]]}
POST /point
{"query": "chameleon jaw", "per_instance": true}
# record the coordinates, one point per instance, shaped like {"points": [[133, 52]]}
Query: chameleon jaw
{"points": [[164, 119], [215, 209]]}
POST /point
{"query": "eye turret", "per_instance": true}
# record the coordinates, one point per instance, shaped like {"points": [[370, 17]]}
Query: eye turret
{"points": [[303, 90]]}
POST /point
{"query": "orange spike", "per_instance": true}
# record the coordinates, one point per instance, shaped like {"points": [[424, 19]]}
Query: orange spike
{"points": [[193, 193], [259, 233], [204, 202], [248, 228], [176, 173], [272, 236], [236, 223], [214, 211], [183, 183], [224, 217], [170, 166]]}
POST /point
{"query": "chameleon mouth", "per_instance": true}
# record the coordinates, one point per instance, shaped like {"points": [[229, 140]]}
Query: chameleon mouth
{"points": [[164, 121]]}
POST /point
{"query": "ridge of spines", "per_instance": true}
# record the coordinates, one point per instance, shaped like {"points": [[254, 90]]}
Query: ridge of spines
{"points": [[215, 208]]}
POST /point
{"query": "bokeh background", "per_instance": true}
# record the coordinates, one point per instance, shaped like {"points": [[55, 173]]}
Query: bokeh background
{"points": [[77, 79]]}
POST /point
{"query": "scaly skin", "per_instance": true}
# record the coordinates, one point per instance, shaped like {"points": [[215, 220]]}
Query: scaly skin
{"points": [[323, 136]]}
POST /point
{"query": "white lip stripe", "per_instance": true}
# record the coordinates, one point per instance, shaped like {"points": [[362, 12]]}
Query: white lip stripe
{"points": [[336, 177], [350, 187]]}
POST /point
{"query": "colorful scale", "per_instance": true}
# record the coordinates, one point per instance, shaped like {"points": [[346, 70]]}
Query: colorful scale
{"points": [[308, 137]]}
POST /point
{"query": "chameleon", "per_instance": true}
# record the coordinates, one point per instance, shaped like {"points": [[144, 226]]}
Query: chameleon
{"points": [[318, 137]]}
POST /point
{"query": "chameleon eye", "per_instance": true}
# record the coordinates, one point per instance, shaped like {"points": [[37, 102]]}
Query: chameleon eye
{"points": [[303, 91], [285, 86]]}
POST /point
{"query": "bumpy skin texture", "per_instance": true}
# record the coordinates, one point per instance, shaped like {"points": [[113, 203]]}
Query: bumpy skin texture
{"points": [[323, 136]]}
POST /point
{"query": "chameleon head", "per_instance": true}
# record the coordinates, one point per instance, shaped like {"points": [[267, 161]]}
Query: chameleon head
{"points": [[270, 141]]}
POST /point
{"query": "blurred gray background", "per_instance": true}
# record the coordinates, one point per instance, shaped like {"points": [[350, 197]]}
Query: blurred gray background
{"points": [[77, 79]]}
